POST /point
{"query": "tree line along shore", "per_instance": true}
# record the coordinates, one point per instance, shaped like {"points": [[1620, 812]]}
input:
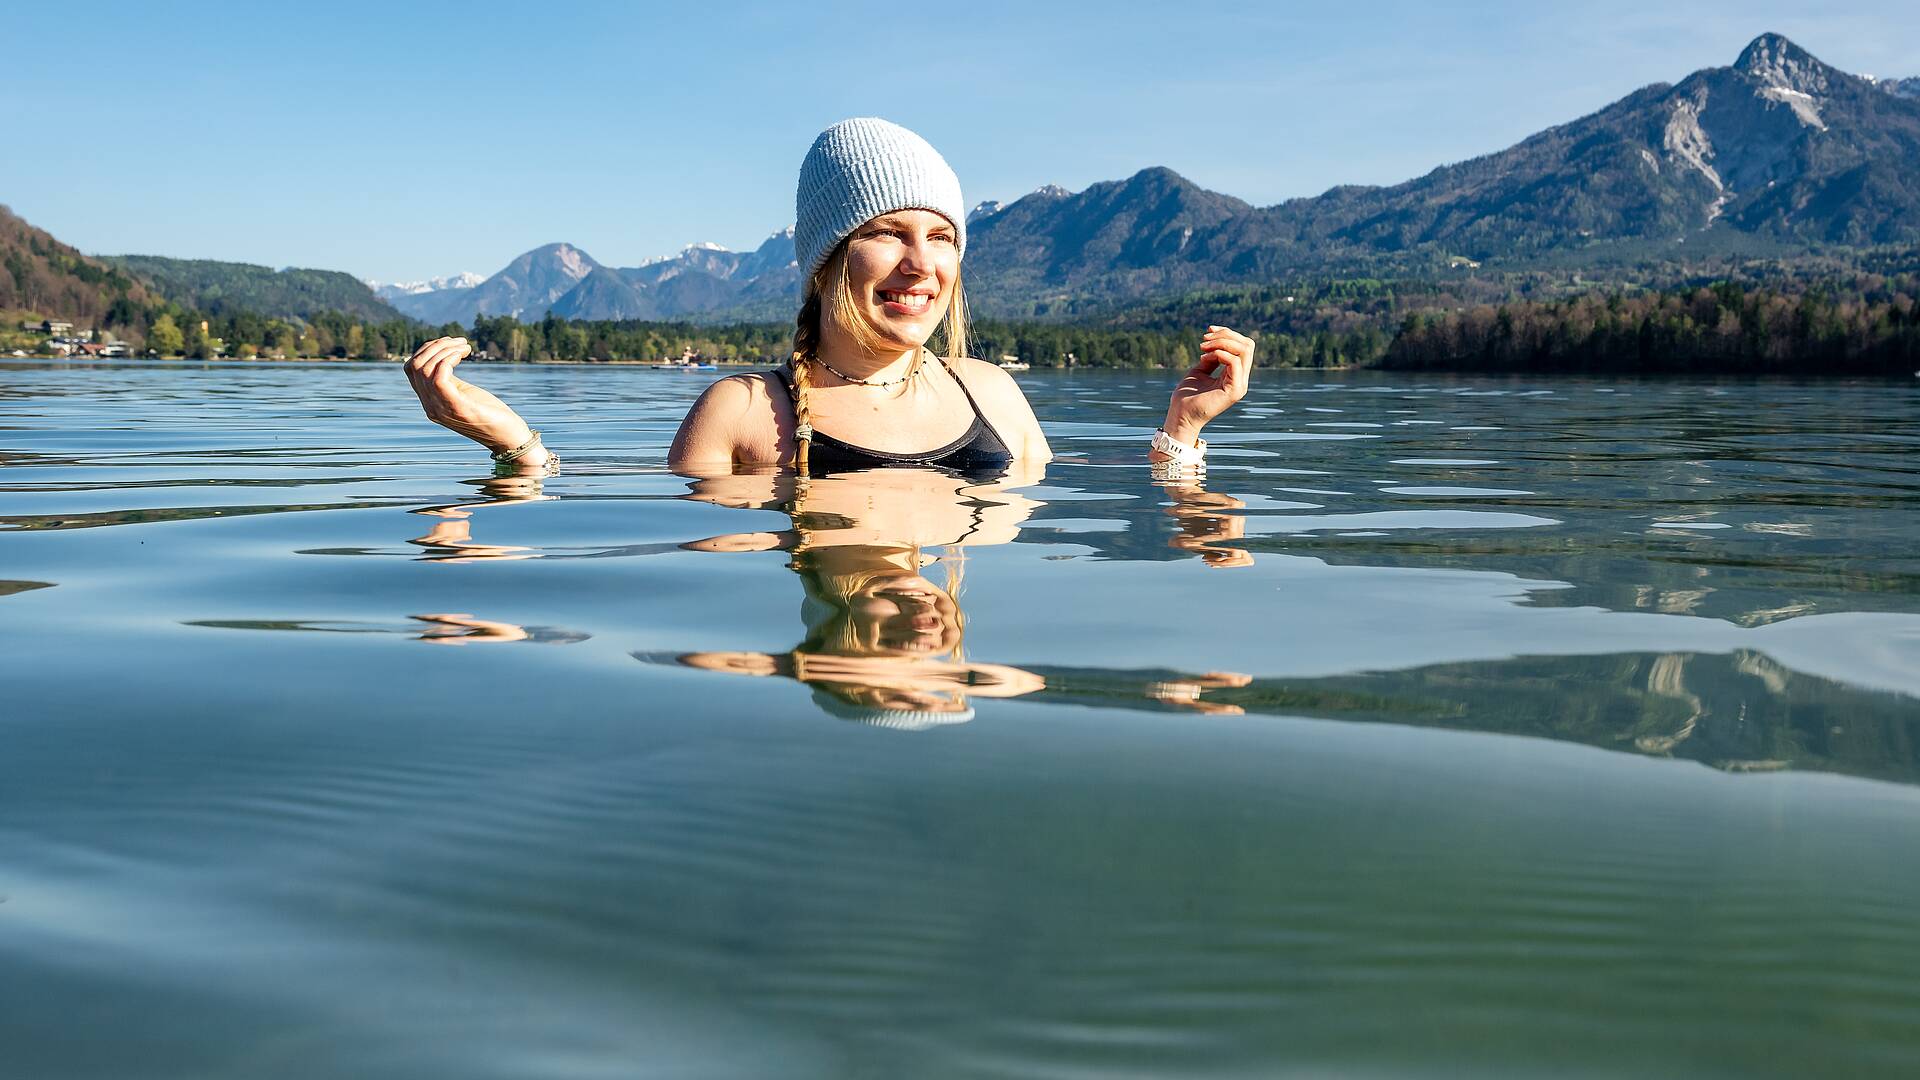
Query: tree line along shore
{"points": [[1868, 324]]}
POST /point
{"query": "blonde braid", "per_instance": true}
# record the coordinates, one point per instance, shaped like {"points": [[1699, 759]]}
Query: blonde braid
{"points": [[806, 343], [956, 560]]}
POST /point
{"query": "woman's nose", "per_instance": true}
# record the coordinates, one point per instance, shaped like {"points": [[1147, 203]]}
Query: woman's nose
{"points": [[917, 256]]}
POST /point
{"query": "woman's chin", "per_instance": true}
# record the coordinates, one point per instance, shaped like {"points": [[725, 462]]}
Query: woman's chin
{"points": [[905, 341], [907, 331]]}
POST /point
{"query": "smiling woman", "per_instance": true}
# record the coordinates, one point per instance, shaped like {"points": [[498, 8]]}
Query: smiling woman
{"points": [[880, 230]]}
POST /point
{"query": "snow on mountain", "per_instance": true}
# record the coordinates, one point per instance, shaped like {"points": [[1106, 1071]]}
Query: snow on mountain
{"points": [[389, 290], [983, 210]]}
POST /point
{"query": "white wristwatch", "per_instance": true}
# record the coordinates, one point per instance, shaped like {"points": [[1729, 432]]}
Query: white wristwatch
{"points": [[1180, 452]]}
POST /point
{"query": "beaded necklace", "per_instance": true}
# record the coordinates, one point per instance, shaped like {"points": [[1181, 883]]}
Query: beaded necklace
{"points": [[911, 372]]}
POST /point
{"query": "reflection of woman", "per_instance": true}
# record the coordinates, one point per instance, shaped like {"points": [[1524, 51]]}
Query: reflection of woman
{"points": [[883, 644], [879, 234]]}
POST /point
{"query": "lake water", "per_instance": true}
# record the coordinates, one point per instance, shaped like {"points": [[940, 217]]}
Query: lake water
{"points": [[1453, 726]]}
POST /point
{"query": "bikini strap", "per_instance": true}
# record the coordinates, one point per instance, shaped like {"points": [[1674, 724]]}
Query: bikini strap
{"points": [[961, 383], [786, 380]]}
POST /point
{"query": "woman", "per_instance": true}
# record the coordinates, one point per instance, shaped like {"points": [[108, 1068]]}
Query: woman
{"points": [[879, 233]]}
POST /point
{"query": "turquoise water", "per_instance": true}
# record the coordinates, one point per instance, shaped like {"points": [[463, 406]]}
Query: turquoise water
{"points": [[1451, 727]]}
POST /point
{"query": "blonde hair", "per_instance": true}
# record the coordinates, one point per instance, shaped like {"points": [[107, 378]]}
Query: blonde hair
{"points": [[829, 295]]}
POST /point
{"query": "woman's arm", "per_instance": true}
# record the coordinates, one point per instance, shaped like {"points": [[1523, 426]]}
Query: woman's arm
{"points": [[1210, 387], [465, 409]]}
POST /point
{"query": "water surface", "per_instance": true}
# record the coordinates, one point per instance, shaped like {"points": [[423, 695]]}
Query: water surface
{"points": [[1450, 726]]}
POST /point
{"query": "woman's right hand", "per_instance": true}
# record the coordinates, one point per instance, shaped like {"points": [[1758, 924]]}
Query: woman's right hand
{"points": [[458, 405]]}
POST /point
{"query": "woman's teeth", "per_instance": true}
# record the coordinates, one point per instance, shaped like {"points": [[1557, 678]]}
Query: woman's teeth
{"points": [[915, 302]]}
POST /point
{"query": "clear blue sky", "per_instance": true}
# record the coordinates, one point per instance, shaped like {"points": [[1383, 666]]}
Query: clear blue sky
{"points": [[405, 140]]}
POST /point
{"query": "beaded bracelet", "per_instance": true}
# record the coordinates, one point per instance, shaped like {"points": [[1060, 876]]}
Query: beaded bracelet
{"points": [[506, 457]]}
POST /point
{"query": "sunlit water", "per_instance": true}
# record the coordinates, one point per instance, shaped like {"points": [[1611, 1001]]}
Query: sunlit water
{"points": [[1451, 727]]}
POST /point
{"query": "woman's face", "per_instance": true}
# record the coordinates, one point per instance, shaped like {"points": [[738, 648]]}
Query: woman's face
{"points": [[901, 268], [906, 614]]}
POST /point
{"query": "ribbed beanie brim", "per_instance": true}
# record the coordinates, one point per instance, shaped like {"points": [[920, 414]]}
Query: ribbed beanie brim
{"points": [[859, 169]]}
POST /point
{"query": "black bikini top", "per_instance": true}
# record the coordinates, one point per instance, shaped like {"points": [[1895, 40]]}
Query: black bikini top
{"points": [[978, 450]]}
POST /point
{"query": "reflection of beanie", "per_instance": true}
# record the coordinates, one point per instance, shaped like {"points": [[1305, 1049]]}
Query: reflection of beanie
{"points": [[860, 169], [897, 719]]}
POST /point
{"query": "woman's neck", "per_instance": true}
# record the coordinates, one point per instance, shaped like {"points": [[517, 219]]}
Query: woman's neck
{"points": [[839, 352]]}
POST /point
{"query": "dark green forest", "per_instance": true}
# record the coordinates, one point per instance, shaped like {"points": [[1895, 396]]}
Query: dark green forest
{"points": [[1722, 329], [1868, 325]]}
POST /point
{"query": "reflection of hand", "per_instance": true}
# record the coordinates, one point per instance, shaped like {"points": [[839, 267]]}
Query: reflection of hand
{"points": [[454, 537], [1185, 693], [455, 530], [1203, 527], [464, 629], [1211, 386]]}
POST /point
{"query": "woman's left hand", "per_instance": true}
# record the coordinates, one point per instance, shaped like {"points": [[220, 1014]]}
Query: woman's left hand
{"points": [[1212, 385]]}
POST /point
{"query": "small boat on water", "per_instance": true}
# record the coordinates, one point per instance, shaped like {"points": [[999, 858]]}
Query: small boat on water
{"points": [[1009, 362], [689, 361]]}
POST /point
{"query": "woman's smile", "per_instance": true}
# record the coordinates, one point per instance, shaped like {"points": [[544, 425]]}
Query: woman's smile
{"points": [[906, 302]]}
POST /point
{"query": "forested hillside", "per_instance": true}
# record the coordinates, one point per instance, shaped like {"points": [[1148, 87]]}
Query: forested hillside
{"points": [[41, 275], [222, 287]]}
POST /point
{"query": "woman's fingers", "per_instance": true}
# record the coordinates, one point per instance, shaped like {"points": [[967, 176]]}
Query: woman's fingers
{"points": [[430, 370], [450, 353], [427, 359], [428, 352], [1230, 368], [459, 351]]}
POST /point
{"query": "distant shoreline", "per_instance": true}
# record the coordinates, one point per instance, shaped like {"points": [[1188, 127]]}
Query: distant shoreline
{"points": [[1544, 375]]}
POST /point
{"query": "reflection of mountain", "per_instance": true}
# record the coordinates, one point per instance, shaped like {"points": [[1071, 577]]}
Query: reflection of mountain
{"points": [[1740, 711]]}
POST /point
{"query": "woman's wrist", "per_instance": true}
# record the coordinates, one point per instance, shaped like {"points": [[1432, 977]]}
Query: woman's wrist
{"points": [[503, 441], [1182, 429], [529, 455]]}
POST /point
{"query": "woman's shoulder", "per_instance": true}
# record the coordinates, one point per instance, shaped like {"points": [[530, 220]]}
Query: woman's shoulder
{"points": [[982, 376], [744, 388]]}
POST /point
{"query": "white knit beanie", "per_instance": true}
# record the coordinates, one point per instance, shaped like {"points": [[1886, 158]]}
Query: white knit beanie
{"points": [[862, 168]]}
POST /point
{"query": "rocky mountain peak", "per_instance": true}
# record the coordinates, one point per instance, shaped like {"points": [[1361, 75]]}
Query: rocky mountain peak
{"points": [[1776, 62], [1909, 88], [562, 257]]}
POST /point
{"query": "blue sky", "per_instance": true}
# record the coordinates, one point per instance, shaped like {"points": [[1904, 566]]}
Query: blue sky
{"points": [[404, 140]]}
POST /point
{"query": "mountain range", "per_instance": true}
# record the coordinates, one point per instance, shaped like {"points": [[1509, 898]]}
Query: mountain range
{"points": [[567, 281], [1776, 154]]}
